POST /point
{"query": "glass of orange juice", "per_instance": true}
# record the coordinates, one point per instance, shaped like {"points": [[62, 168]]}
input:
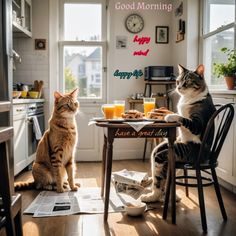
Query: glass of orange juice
{"points": [[119, 108], [108, 110], [148, 105]]}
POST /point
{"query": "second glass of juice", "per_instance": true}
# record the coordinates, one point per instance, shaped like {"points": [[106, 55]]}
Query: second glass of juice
{"points": [[119, 108], [148, 105]]}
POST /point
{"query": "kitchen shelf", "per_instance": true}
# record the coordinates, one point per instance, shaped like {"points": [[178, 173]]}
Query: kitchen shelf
{"points": [[22, 22], [6, 133], [5, 106], [20, 31]]}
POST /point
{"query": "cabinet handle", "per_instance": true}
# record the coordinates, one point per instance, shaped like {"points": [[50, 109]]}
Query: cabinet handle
{"points": [[19, 109]]}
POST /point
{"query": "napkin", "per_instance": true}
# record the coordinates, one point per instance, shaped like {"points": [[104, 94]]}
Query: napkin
{"points": [[137, 126], [91, 122]]}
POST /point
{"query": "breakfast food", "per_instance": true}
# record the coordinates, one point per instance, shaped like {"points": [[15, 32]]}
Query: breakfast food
{"points": [[132, 114], [159, 113]]}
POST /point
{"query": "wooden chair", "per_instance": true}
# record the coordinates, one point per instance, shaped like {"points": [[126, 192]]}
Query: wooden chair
{"points": [[10, 205], [220, 122]]}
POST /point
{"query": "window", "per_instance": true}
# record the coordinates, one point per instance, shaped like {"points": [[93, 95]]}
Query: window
{"points": [[83, 48], [218, 32]]}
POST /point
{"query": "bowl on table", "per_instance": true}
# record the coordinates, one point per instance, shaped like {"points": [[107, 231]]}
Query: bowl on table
{"points": [[23, 94], [33, 94], [16, 94], [135, 209]]}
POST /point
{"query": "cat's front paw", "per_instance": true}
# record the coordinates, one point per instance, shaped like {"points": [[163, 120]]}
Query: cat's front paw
{"points": [[74, 188], [172, 118], [155, 196], [60, 190]]}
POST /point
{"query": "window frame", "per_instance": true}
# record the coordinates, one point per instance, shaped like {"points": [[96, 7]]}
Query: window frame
{"points": [[205, 36], [102, 43]]}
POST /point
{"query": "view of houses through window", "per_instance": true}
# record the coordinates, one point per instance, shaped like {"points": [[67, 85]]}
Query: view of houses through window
{"points": [[83, 70]]}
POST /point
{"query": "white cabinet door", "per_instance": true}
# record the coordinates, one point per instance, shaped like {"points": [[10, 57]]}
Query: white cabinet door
{"points": [[225, 168], [20, 138]]}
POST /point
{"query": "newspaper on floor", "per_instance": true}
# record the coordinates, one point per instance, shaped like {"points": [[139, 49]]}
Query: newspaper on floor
{"points": [[125, 180], [130, 177], [85, 200]]}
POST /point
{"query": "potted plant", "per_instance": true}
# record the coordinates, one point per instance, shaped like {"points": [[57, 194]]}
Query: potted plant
{"points": [[227, 69]]}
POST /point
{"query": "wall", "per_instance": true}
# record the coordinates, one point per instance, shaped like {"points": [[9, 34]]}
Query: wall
{"points": [[186, 52], [35, 63], [159, 54], [124, 60]]}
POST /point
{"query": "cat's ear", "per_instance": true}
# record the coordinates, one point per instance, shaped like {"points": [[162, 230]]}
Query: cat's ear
{"points": [[181, 69], [75, 93], [200, 70], [57, 95]]}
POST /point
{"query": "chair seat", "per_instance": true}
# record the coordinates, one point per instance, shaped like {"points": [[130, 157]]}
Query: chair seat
{"points": [[15, 205], [2, 221], [203, 166], [16, 214]]}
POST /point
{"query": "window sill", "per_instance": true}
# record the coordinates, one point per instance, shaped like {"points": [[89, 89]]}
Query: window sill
{"points": [[222, 91]]}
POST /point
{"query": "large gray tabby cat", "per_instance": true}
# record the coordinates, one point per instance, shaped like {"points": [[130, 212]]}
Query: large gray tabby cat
{"points": [[195, 108]]}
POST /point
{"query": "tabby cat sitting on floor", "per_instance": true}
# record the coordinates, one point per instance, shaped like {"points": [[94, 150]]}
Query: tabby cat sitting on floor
{"points": [[195, 108], [55, 152]]}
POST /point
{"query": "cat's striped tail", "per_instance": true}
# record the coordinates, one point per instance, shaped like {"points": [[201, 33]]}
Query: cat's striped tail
{"points": [[24, 185]]}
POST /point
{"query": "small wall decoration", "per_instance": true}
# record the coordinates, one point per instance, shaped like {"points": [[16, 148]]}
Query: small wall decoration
{"points": [[162, 34], [40, 44], [179, 10], [121, 42], [181, 31]]}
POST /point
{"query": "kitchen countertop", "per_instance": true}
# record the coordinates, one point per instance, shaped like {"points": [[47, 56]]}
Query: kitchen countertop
{"points": [[223, 91], [23, 100]]}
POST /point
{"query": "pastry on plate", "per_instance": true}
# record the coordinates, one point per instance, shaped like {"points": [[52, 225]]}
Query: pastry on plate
{"points": [[159, 113], [132, 114]]}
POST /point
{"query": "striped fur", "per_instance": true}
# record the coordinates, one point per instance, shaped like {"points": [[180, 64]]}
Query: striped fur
{"points": [[55, 152], [195, 107]]}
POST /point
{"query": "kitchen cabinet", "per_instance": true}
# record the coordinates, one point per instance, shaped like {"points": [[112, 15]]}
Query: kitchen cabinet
{"points": [[22, 18], [20, 137], [226, 169], [25, 142]]}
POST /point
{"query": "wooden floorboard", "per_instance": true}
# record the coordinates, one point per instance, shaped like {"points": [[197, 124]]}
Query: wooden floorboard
{"points": [[119, 224]]}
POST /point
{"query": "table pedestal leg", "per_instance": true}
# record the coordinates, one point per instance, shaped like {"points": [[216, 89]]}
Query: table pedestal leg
{"points": [[108, 175], [173, 188], [104, 153], [170, 185], [167, 195]]}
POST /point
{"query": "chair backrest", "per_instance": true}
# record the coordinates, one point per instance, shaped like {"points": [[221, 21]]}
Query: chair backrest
{"points": [[220, 122]]}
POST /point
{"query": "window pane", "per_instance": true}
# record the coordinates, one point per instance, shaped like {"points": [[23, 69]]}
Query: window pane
{"points": [[212, 53], [82, 22], [218, 13], [83, 68]]}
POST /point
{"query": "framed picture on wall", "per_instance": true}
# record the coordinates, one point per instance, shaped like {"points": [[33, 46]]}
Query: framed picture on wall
{"points": [[162, 34]]}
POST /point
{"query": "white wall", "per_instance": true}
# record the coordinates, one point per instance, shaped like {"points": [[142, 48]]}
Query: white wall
{"points": [[186, 52], [123, 59]]}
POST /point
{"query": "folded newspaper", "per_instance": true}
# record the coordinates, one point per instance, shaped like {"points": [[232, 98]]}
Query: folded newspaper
{"points": [[130, 179], [85, 200]]}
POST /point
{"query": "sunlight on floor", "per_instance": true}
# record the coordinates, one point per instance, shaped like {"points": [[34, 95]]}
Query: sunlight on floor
{"points": [[33, 228], [155, 215], [190, 202], [87, 182]]}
